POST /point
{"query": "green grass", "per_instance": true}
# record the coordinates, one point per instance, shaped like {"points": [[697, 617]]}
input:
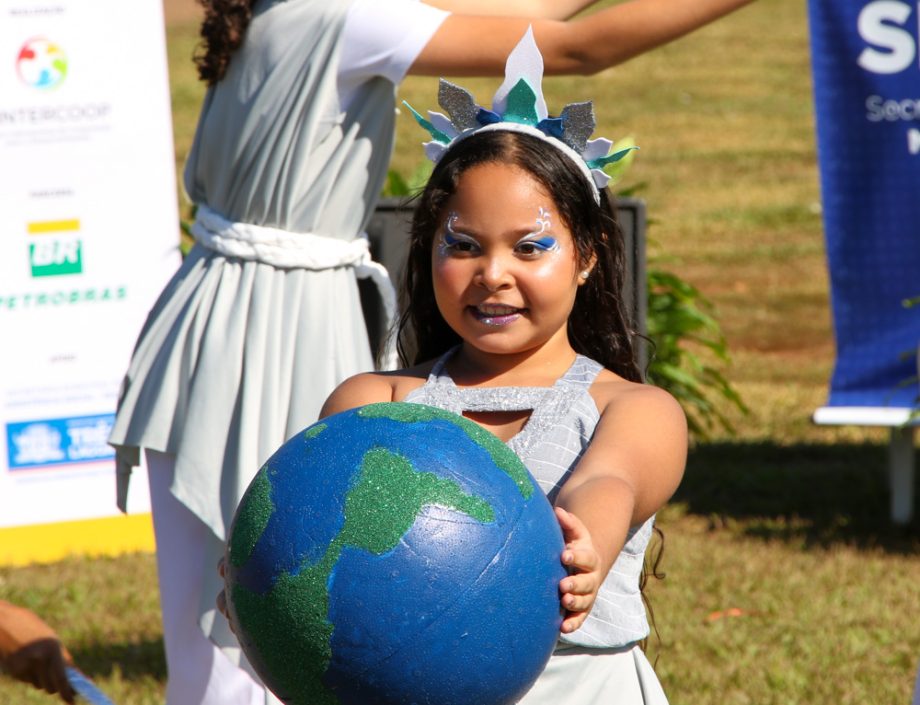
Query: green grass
{"points": [[786, 522]]}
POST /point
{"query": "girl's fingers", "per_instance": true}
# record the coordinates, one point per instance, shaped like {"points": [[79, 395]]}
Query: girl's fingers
{"points": [[579, 584], [578, 603], [222, 603], [580, 559], [571, 525], [573, 621]]}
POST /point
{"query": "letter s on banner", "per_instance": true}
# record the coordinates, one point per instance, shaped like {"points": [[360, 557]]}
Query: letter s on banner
{"points": [[875, 27]]}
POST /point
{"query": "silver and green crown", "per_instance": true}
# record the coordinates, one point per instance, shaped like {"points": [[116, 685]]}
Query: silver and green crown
{"points": [[519, 106]]}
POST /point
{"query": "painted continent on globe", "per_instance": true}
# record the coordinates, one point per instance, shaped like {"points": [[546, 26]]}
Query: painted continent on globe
{"points": [[396, 553]]}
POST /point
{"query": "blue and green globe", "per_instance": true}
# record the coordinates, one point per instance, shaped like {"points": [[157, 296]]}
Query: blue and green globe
{"points": [[395, 553]]}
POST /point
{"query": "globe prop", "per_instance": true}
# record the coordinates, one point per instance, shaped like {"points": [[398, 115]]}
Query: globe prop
{"points": [[395, 553]]}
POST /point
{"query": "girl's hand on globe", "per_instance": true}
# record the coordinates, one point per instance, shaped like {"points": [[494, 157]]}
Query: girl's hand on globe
{"points": [[222, 595], [579, 589]]}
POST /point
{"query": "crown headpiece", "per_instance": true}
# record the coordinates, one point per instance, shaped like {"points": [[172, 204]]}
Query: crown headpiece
{"points": [[518, 106]]}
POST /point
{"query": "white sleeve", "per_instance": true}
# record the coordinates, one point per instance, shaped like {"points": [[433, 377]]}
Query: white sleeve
{"points": [[383, 38]]}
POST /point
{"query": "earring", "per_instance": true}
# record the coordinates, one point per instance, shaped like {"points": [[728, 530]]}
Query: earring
{"points": [[584, 273]]}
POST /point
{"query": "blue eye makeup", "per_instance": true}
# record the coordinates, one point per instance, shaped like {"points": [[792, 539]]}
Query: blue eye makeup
{"points": [[538, 240], [451, 241], [534, 244], [546, 243]]}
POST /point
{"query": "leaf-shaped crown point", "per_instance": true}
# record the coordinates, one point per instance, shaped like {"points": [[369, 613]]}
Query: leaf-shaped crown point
{"points": [[459, 104], [426, 124], [577, 124], [524, 61], [521, 104]]}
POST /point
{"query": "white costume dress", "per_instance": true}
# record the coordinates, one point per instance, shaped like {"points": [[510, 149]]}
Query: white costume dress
{"points": [[263, 319]]}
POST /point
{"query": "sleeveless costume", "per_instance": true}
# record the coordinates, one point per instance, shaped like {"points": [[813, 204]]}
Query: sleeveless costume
{"points": [[600, 663]]}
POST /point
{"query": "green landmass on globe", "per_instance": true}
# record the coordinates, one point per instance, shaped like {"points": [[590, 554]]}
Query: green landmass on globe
{"points": [[379, 510]]}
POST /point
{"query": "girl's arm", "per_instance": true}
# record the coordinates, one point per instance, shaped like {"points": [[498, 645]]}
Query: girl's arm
{"points": [[632, 467], [365, 388], [544, 9], [466, 45]]}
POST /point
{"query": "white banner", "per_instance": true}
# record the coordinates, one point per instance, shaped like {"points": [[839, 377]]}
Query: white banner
{"points": [[88, 237]]}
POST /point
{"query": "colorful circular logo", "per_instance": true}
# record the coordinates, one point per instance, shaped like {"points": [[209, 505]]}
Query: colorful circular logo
{"points": [[41, 63]]}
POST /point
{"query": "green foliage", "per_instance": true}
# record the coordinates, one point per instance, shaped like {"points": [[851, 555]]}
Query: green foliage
{"points": [[398, 186], [186, 239], [685, 337]]}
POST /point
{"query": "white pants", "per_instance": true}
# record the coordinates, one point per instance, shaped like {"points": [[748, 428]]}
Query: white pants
{"points": [[198, 671]]}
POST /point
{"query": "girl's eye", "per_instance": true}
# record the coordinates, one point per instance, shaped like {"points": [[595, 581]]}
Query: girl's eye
{"points": [[537, 246], [453, 244]]}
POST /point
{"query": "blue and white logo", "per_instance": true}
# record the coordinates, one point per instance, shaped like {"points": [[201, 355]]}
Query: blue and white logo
{"points": [[45, 442]]}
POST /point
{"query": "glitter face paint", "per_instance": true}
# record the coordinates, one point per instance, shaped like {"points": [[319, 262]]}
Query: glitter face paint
{"points": [[504, 266], [453, 241], [530, 247], [543, 243]]}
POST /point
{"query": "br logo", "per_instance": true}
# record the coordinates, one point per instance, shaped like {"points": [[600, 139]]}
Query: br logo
{"points": [[54, 248]]}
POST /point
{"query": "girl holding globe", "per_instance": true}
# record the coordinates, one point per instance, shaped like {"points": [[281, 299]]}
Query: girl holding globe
{"points": [[513, 307], [263, 319]]}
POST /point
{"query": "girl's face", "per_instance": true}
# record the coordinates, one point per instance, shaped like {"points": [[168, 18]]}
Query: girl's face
{"points": [[504, 263]]}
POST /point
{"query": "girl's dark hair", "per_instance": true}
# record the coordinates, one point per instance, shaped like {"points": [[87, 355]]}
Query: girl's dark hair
{"points": [[222, 31], [598, 326]]}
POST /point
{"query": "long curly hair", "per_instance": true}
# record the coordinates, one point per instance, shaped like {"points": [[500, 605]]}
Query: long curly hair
{"points": [[597, 325], [222, 31]]}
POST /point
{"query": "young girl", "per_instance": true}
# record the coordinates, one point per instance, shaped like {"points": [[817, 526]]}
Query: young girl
{"points": [[512, 297], [264, 317]]}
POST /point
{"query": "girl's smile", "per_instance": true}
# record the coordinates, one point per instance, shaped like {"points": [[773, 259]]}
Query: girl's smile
{"points": [[504, 263], [496, 314]]}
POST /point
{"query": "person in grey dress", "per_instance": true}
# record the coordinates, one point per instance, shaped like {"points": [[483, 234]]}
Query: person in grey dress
{"points": [[514, 317], [263, 318]]}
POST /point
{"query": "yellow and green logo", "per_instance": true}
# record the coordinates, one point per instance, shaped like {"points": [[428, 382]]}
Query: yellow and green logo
{"points": [[55, 248]]}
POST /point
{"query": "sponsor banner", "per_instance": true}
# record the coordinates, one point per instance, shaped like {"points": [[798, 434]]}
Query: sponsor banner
{"points": [[866, 68], [88, 238], [44, 442]]}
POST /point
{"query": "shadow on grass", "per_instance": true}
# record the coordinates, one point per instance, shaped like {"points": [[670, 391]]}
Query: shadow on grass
{"points": [[818, 495], [134, 661]]}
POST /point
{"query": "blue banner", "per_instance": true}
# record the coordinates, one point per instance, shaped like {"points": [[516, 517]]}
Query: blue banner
{"points": [[866, 68], [44, 442]]}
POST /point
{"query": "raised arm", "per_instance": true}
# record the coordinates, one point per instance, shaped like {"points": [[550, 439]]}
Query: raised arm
{"points": [[467, 45], [632, 467], [534, 9]]}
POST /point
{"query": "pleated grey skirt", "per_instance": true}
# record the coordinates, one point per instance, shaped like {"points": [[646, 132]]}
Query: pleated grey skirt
{"points": [[235, 358]]}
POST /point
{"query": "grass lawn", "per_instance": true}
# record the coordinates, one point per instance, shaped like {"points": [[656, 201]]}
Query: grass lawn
{"points": [[785, 581]]}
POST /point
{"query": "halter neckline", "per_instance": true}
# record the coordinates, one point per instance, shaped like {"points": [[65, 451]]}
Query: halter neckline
{"points": [[545, 403]]}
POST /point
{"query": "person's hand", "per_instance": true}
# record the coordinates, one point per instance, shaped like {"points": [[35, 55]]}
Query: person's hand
{"points": [[41, 663], [30, 651], [222, 595], [578, 590]]}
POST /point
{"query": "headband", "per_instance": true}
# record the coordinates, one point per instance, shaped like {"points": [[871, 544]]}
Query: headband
{"points": [[518, 106]]}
